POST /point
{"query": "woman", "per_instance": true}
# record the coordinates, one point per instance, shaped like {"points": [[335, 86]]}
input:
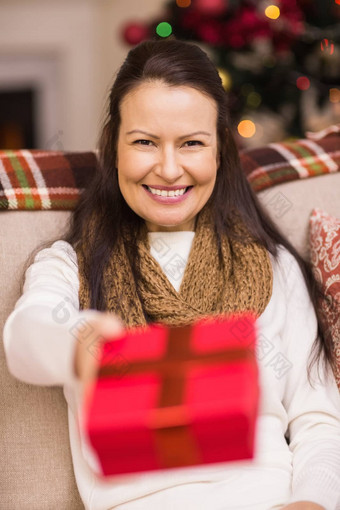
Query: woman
{"points": [[170, 231]]}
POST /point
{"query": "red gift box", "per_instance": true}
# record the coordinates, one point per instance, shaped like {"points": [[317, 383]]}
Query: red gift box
{"points": [[175, 396]]}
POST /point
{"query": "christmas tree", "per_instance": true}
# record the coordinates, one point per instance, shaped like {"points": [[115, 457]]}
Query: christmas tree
{"points": [[279, 60]]}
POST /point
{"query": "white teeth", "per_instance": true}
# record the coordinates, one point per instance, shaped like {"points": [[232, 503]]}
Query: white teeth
{"points": [[164, 193]]}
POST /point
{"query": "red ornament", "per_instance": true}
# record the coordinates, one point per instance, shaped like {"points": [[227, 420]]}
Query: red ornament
{"points": [[249, 19], [134, 33], [303, 83], [211, 7]]}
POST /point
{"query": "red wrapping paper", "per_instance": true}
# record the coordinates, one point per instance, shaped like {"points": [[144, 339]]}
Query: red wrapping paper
{"points": [[172, 397]]}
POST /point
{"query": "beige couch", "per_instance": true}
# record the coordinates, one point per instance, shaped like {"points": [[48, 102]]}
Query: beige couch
{"points": [[35, 460]]}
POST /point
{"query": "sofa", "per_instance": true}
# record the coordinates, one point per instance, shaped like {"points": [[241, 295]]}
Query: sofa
{"points": [[38, 191]]}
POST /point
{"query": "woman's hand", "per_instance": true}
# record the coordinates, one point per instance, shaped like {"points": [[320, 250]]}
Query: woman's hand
{"points": [[303, 505], [102, 326]]}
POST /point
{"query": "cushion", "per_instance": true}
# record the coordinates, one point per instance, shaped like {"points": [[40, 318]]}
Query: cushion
{"points": [[275, 163], [290, 205], [325, 258]]}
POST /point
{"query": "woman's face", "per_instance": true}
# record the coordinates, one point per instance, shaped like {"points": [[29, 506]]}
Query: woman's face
{"points": [[167, 155]]}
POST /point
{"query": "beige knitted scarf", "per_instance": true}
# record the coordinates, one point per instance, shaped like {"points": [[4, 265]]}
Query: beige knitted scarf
{"points": [[243, 282]]}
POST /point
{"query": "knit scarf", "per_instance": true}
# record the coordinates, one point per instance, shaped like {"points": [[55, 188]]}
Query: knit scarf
{"points": [[242, 283]]}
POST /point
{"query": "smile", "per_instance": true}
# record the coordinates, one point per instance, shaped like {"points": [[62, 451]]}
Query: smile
{"points": [[168, 195]]}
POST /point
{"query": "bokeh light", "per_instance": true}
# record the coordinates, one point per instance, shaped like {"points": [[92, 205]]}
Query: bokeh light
{"points": [[303, 83], [134, 33], [226, 78], [254, 99], [246, 128], [183, 3], [337, 2], [211, 7], [272, 12], [334, 95], [164, 29], [327, 45]]}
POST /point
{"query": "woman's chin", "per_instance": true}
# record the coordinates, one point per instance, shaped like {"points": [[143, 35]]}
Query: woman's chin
{"points": [[167, 226]]}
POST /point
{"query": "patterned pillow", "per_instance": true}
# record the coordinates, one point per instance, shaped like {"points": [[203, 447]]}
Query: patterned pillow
{"points": [[325, 257]]}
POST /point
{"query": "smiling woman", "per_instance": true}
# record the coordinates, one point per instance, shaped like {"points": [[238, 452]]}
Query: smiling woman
{"points": [[170, 192]]}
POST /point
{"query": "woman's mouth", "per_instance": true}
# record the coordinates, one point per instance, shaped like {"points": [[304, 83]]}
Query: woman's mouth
{"points": [[167, 196]]}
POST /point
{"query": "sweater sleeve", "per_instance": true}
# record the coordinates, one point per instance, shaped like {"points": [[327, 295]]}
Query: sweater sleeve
{"points": [[39, 334], [313, 410]]}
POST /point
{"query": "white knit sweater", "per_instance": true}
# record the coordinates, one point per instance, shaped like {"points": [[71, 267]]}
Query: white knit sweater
{"points": [[39, 346]]}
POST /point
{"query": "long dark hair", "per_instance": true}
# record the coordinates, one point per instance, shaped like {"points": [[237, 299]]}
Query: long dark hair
{"points": [[176, 63]]}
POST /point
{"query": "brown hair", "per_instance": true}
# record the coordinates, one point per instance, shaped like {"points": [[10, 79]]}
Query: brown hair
{"points": [[176, 63]]}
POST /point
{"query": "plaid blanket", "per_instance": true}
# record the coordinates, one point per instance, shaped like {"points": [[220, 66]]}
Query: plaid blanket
{"points": [[274, 163], [34, 179]]}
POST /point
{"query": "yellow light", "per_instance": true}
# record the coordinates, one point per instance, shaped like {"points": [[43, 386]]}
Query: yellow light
{"points": [[272, 12], [226, 78], [246, 128], [334, 95]]}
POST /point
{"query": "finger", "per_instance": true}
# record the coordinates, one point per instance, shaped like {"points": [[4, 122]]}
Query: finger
{"points": [[111, 326]]}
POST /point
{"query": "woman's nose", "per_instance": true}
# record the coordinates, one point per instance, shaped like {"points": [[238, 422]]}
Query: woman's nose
{"points": [[169, 167]]}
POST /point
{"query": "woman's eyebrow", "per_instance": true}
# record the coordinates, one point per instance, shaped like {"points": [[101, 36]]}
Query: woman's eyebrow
{"points": [[157, 137]]}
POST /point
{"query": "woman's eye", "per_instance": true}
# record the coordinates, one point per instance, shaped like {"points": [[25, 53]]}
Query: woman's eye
{"points": [[192, 143], [143, 142]]}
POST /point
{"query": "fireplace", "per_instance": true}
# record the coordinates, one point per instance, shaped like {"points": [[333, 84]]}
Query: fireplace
{"points": [[30, 100], [17, 119]]}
